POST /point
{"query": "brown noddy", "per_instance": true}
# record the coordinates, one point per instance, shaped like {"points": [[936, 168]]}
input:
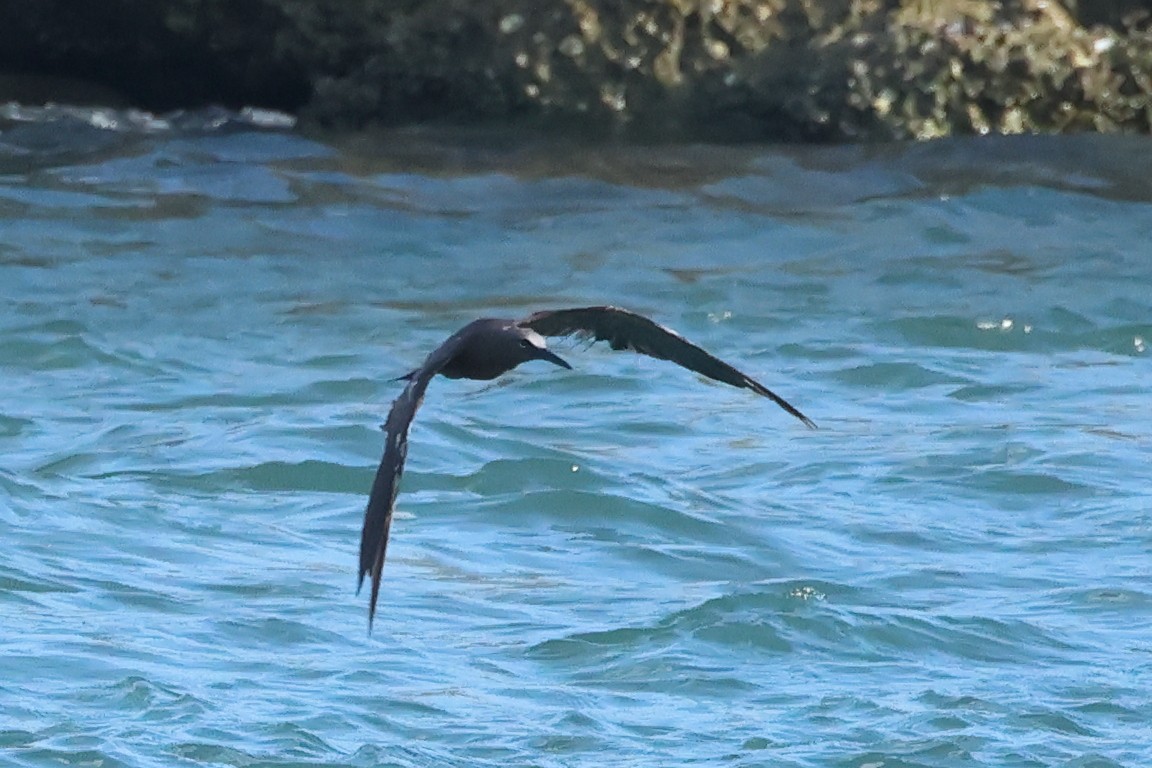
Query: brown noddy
{"points": [[486, 348]]}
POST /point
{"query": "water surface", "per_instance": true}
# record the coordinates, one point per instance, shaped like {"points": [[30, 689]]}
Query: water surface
{"points": [[619, 565]]}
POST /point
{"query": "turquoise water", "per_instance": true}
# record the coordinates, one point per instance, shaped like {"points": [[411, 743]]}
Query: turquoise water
{"points": [[619, 565]]}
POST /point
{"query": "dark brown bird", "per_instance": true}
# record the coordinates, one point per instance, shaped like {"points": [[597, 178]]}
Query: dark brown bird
{"points": [[486, 348]]}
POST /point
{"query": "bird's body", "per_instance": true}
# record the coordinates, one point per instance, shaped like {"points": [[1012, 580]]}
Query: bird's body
{"points": [[486, 348], [493, 346]]}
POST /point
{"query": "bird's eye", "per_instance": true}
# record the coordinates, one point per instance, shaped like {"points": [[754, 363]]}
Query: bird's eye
{"points": [[525, 343]]}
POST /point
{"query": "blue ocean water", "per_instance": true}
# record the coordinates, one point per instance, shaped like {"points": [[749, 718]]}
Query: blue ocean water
{"points": [[619, 565]]}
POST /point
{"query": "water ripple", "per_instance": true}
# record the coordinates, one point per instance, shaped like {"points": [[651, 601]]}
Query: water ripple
{"points": [[620, 564]]}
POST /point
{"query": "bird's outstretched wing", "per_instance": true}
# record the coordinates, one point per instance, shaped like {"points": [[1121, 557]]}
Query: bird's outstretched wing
{"points": [[382, 500], [627, 330]]}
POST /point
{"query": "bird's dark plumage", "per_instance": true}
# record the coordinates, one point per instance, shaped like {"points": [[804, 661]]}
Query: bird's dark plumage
{"points": [[486, 348], [627, 330]]}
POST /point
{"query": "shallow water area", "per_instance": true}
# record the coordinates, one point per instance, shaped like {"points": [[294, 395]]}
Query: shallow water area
{"points": [[623, 564]]}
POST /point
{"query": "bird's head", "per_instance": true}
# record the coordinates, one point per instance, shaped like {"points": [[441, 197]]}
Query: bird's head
{"points": [[527, 345]]}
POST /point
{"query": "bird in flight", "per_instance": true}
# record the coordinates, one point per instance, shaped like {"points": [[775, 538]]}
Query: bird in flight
{"points": [[486, 348]]}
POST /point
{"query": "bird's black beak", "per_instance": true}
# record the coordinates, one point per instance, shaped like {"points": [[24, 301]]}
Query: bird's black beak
{"points": [[547, 354]]}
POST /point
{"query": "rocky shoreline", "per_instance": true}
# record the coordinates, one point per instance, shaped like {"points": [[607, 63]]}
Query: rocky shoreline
{"points": [[665, 70]]}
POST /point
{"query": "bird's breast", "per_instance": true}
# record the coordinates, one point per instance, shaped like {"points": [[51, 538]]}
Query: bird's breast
{"points": [[472, 367]]}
